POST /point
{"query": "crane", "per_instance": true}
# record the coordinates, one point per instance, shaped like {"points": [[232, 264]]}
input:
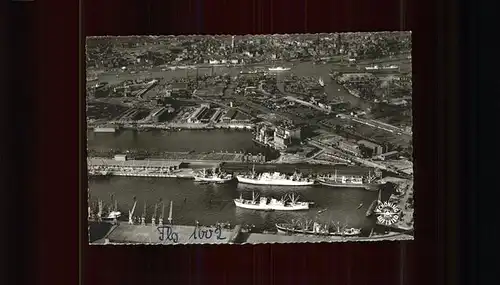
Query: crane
{"points": [[170, 214], [143, 218], [162, 214], [131, 213], [153, 219]]}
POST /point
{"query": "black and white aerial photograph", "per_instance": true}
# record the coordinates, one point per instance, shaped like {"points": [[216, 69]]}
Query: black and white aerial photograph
{"points": [[249, 139]]}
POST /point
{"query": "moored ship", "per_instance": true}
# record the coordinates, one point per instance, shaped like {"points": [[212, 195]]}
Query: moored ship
{"points": [[275, 179], [113, 215], [99, 172], [112, 212], [212, 176], [286, 203], [369, 182], [317, 229]]}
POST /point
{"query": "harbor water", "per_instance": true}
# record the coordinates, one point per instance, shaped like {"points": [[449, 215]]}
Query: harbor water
{"points": [[212, 203], [186, 140]]}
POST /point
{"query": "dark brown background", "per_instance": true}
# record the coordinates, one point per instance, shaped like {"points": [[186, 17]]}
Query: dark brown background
{"points": [[46, 69]]}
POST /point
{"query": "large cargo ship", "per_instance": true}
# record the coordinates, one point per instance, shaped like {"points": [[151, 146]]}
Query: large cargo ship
{"points": [[275, 179], [212, 176], [317, 229], [368, 183], [286, 203]]}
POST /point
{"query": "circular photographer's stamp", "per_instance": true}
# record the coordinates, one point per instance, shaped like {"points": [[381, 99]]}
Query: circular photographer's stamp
{"points": [[387, 213]]}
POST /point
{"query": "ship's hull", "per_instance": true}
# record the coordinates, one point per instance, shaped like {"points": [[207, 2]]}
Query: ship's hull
{"points": [[371, 187], [280, 182], [283, 228], [213, 179], [260, 207]]}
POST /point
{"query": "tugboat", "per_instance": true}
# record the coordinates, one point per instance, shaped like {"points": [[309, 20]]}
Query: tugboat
{"points": [[213, 176], [286, 203]]}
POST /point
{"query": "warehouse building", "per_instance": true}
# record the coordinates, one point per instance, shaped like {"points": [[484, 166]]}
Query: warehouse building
{"points": [[350, 147], [374, 148]]}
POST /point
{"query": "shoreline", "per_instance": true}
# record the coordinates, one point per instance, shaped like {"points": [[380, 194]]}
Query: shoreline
{"points": [[113, 128]]}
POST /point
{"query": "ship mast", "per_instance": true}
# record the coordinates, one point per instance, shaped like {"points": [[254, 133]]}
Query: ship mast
{"points": [[143, 217], [110, 206], [170, 213], [153, 219], [162, 214]]}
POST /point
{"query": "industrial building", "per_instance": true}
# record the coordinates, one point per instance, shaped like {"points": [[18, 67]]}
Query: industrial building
{"points": [[198, 113], [374, 148], [262, 134], [350, 147], [388, 155], [122, 161], [282, 138], [230, 114], [215, 92]]}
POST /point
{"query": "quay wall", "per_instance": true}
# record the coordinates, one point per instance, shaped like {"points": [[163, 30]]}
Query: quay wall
{"points": [[171, 157]]}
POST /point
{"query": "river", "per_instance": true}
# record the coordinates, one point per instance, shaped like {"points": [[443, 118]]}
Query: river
{"points": [[299, 68]]}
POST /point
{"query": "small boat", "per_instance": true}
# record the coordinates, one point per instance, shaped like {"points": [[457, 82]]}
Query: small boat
{"points": [[213, 176], [360, 205], [322, 211], [112, 216]]}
